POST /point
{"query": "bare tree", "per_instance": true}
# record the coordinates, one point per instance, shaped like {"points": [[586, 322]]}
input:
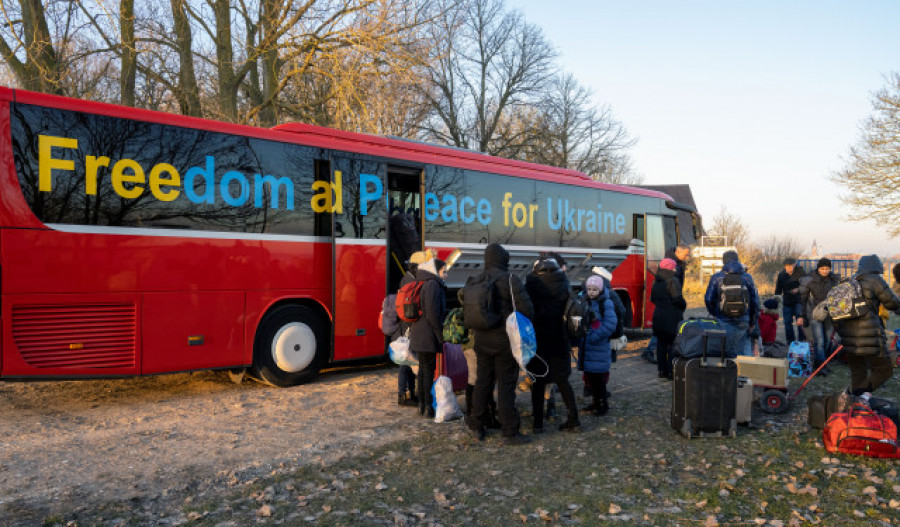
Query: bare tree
{"points": [[488, 62], [573, 133], [766, 255], [872, 172], [26, 32], [728, 224]]}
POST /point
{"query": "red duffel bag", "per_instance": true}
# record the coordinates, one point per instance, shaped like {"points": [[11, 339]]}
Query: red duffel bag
{"points": [[862, 432]]}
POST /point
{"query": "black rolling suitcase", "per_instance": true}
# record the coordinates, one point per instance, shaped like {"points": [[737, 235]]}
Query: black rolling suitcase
{"points": [[704, 393]]}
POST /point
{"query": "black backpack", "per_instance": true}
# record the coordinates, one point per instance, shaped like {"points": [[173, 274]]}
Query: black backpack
{"points": [[577, 306], [734, 299], [620, 314], [481, 308]]}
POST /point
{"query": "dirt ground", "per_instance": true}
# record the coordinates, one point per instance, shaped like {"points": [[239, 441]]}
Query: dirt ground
{"points": [[77, 444], [80, 442]]}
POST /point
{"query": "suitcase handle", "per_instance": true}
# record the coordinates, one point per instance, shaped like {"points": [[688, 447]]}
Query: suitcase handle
{"points": [[718, 333]]}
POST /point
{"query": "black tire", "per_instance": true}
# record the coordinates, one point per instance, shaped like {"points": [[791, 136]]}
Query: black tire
{"points": [[291, 346], [774, 402]]}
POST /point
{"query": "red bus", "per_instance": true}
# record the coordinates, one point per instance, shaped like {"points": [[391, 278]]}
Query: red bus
{"points": [[135, 242]]}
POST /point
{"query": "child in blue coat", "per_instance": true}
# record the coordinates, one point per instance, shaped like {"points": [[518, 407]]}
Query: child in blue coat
{"points": [[595, 355]]}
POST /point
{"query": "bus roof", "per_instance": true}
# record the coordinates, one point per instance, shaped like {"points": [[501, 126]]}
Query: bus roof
{"points": [[318, 136]]}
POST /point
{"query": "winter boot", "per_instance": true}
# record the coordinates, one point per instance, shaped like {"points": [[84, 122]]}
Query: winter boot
{"points": [[572, 424], [601, 405]]}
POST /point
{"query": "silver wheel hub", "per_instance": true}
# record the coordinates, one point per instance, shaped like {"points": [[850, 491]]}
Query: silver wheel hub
{"points": [[294, 347]]}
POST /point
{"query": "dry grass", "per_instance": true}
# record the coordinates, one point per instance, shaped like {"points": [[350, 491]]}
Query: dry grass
{"points": [[626, 468]]}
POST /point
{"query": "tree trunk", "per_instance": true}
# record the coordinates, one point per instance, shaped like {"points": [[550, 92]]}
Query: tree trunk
{"points": [[41, 64], [188, 94], [268, 114], [228, 84], [129, 53]]}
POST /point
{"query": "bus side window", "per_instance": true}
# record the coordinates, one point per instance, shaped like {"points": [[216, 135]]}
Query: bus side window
{"points": [[670, 232], [639, 227], [323, 219]]}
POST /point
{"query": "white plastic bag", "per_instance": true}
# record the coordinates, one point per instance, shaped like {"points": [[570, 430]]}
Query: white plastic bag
{"points": [[400, 352], [446, 407], [619, 343]]}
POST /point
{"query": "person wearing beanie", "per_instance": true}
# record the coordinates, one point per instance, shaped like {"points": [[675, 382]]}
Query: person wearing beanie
{"points": [[812, 293], [621, 313], [736, 326], [787, 284], [548, 287], [495, 361], [560, 261], [426, 335], [768, 322], [594, 354], [668, 311], [863, 338]]}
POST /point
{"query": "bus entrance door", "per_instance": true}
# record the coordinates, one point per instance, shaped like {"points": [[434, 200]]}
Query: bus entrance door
{"points": [[404, 221], [359, 245], [654, 252]]}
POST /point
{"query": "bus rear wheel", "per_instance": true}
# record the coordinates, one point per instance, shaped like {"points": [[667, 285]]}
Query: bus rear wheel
{"points": [[291, 346]]}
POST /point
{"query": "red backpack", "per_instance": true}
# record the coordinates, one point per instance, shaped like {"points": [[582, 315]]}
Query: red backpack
{"points": [[407, 305]]}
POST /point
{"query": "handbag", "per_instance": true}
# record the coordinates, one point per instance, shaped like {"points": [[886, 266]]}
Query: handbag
{"points": [[861, 431]]}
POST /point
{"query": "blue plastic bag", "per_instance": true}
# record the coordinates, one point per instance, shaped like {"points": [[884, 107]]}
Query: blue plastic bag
{"points": [[522, 339], [799, 363]]}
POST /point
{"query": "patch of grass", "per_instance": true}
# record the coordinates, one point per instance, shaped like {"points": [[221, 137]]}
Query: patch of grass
{"points": [[628, 466]]}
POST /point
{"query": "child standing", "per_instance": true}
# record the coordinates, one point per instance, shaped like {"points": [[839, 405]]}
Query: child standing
{"points": [[595, 355], [768, 321]]}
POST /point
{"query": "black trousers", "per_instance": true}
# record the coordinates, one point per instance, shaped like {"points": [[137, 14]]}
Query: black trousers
{"points": [[868, 372], [427, 366], [598, 385], [664, 356], [502, 367], [560, 368]]}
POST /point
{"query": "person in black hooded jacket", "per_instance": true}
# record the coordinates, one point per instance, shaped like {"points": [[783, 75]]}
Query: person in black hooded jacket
{"points": [[426, 335], [548, 288], [863, 338], [492, 350], [668, 311]]}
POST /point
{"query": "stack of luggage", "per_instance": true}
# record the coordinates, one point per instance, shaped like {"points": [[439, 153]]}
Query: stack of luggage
{"points": [[705, 384]]}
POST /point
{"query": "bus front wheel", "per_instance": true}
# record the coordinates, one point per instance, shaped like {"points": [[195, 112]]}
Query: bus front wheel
{"points": [[291, 346]]}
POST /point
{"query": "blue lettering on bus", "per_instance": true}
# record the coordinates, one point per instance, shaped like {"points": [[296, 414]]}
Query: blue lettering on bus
{"points": [[365, 196]]}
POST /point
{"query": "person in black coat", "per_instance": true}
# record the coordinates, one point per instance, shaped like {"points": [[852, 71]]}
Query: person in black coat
{"points": [[668, 311], [863, 338], [426, 336], [548, 288], [787, 284], [493, 353]]}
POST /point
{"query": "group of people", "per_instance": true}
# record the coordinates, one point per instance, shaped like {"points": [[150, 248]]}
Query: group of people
{"points": [[543, 298], [732, 298]]}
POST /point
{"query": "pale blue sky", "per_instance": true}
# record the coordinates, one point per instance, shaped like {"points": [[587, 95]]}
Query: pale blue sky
{"points": [[751, 103]]}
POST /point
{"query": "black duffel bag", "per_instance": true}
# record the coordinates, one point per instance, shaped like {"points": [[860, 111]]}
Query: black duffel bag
{"points": [[691, 339]]}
